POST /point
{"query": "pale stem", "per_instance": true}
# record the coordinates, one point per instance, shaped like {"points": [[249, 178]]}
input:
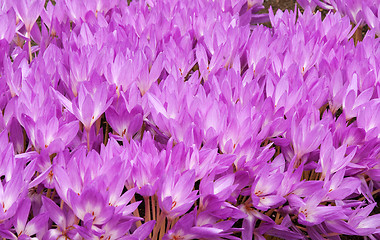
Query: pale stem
{"points": [[30, 49], [97, 124], [48, 193], [88, 140], [358, 35], [278, 218], [333, 234], [312, 174], [53, 194], [372, 193], [105, 141], [306, 175], [169, 224], [136, 212], [162, 230], [160, 222], [175, 221], [147, 208], [25, 142], [302, 228], [269, 213], [153, 208]]}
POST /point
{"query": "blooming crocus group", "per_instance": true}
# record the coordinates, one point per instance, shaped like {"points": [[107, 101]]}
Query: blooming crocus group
{"points": [[168, 119]]}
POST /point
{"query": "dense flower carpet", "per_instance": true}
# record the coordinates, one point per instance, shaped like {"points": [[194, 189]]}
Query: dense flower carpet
{"points": [[189, 119]]}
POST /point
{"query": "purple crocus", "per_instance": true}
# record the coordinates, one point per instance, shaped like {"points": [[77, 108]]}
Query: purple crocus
{"points": [[28, 12], [304, 126], [91, 103], [125, 116], [176, 194], [24, 228], [311, 213], [263, 191], [64, 218], [8, 30], [90, 205]]}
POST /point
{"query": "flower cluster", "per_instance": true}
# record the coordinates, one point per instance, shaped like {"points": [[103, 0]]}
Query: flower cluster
{"points": [[359, 11], [171, 119]]}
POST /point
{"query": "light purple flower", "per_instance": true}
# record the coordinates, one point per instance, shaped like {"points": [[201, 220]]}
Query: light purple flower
{"points": [[64, 218], [311, 213], [125, 116], [90, 203], [176, 195], [263, 192], [28, 12], [26, 228], [91, 103]]}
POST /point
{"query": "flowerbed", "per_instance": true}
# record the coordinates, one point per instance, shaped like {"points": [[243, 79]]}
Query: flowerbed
{"points": [[187, 120]]}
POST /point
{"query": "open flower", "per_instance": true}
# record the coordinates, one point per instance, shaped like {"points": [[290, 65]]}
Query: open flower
{"points": [[24, 228], [310, 212], [28, 11], [91, 204], [91, 103], [175, 195], [264, 191]]}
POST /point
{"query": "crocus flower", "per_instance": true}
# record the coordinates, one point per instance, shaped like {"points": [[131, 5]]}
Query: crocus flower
{"points": [[24, 228], [170, 116], [358, 223], [175, 196], [367, 121], [275, 127], [64, 218], [147, 167], [304, 126], [91, 204], [8, 30], [353, 101], [91, 103], [190, 226], [28, 12], [341, 187], [333, 160], [249, 222], [307, 3], [372, 18], [44, 132], [143, 231], [221, 188], [125, 116], [52, 15], [146, 79], [76, 10], [100, 5], [311, 213], [38, 115], [12, 192], [116, 70], [8, 163], [263, 191]]}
